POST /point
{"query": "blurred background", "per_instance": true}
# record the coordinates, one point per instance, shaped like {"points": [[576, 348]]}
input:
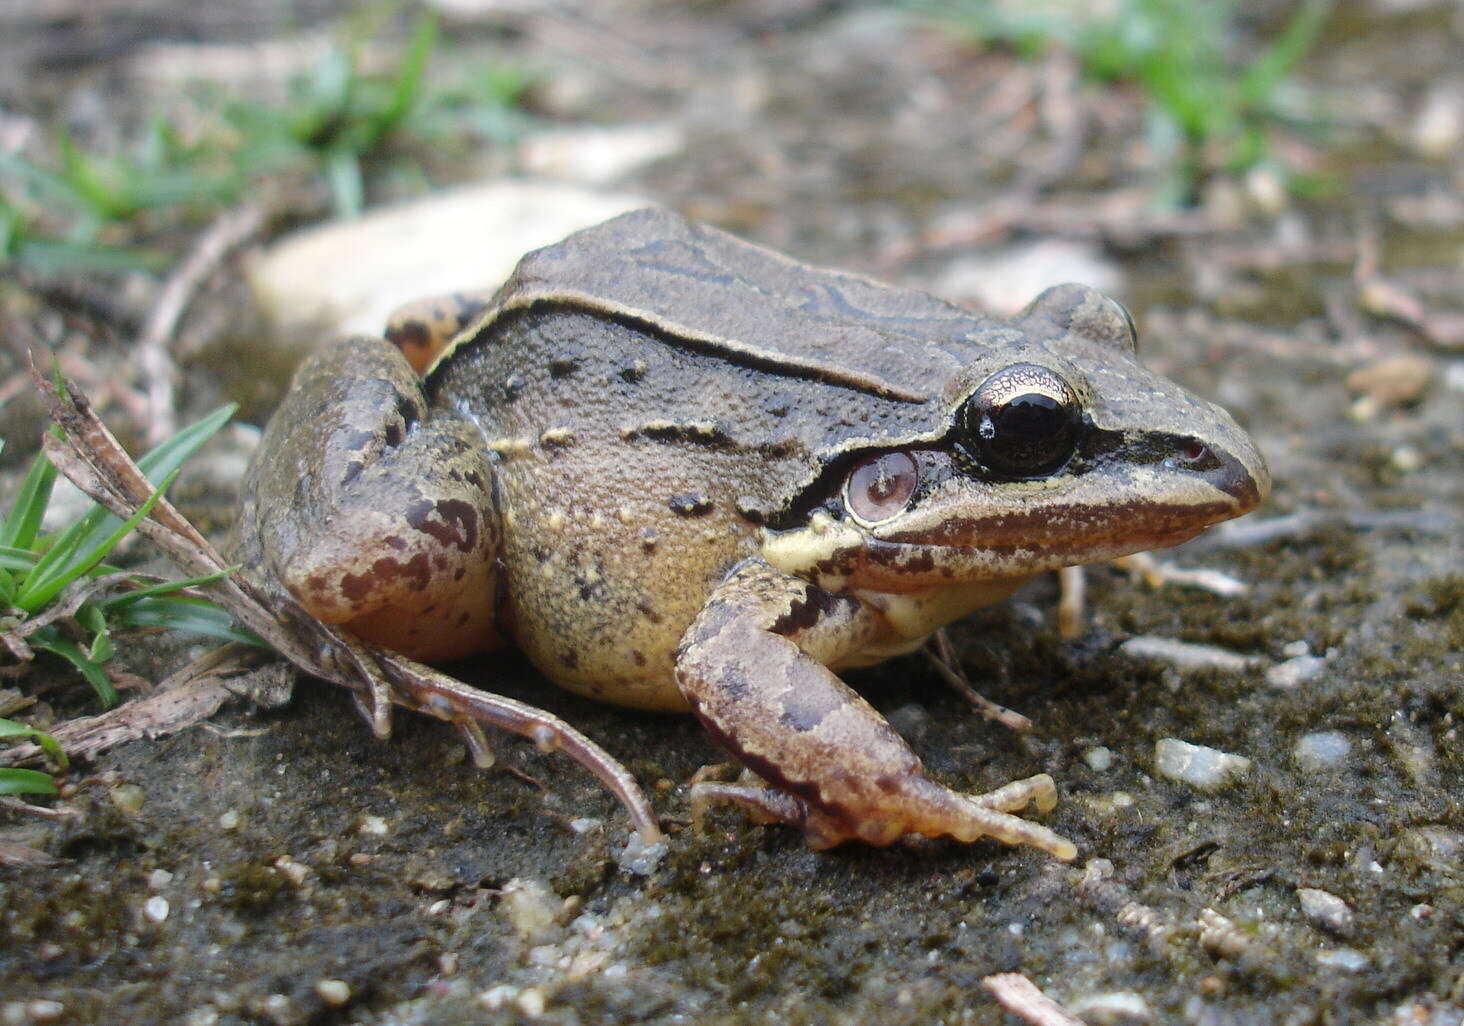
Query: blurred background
{"points": [[192, 194]]}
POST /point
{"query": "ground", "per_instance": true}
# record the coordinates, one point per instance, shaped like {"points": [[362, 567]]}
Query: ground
{"points": [[284, 867]]}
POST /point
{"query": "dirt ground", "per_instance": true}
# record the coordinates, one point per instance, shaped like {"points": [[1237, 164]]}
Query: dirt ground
{"points": [[283, 867]]}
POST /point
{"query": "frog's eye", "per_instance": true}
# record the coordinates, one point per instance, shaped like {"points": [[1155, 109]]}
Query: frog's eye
{"points": [[880, 486], [1024, 421]]}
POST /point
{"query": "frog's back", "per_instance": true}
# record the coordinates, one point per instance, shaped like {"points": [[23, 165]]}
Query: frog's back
{"points": [[751, 303]]}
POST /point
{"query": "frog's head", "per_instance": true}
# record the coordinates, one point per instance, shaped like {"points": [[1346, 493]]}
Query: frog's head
{"points": [[1054, 447]]}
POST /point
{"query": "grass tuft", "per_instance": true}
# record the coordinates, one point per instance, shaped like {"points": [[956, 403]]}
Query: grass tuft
{"points": [[59, 596]]}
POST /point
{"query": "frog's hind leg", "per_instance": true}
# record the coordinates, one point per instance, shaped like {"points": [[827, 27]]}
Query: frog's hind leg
{"points": [[373, 515], [423, 328], [752, 667]]}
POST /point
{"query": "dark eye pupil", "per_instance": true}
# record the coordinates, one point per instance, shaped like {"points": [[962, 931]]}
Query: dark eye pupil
{"points": [[1019, 433]]}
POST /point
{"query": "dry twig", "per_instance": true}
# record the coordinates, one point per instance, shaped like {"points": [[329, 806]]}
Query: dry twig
{"points": [[1022, 998], [154, 359]]}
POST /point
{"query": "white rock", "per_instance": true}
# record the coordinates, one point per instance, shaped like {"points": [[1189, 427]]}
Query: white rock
{"points": [[1324, 749], [333, 992], [598, 155], [531, 909], [348, 276], [155, 909], [1295, 672], [1325, 909], [1003, 281], [1098, 759], [1347, 959], [1207, 769]]}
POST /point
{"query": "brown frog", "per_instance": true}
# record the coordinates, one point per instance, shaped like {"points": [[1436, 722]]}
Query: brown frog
{"points": [[683, 472]]}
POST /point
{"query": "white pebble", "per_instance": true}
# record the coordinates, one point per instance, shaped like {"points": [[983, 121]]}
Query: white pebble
{"points": [[531, 909], [1325, 909], [1294, 649], [1295, 672], [1324, 749], [156, 909], [333, 992], [1347, 959], [229, 820], [1207, 769], [373, 825], [44, 1010], [1098, 759]]}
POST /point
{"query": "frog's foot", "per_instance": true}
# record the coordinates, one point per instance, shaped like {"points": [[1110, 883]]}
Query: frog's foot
{"points": [[751, 667], [1071, 610], [423, 328], [966, 817]]}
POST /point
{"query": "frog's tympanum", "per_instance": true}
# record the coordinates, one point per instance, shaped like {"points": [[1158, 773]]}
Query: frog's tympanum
{"points": [[683, 472]]}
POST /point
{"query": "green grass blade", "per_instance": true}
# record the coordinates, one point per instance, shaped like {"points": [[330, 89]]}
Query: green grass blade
{"points": [[408, 84], [51, 575], [25, 781], [65, 648], [24, 520], [12, 558], [347, 190], [86, 179], [127, 598], [10, 729], [1267, 71], [194, 616]]}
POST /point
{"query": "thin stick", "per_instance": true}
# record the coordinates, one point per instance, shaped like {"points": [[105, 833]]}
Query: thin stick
{"points": [[1022, 998], [154, 357]]}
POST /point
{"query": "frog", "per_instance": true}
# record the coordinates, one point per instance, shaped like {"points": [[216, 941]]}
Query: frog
{"points": [[683, 472]]}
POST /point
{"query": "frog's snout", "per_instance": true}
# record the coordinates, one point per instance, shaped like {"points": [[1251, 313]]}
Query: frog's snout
{"points": [[1240, 473]]}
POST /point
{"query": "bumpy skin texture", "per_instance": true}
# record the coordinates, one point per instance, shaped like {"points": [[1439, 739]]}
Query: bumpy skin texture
{"points": [[636, 457]]}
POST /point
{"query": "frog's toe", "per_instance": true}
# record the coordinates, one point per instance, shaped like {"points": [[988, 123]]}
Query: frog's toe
{"points": [[928, 809]]}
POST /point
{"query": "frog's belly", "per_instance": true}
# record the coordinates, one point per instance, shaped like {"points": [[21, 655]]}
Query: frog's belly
{"points": [[603, 575]]}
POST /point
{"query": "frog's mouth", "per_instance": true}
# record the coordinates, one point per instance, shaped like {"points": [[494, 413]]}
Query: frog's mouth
{"points": [[1145, 508]]}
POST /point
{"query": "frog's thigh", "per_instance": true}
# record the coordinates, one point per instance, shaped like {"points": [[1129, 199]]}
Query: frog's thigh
{"points": [[380, 515], [422, 328], [751, 666]]}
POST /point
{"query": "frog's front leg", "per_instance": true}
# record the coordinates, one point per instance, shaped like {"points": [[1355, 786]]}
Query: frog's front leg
{"points": [[373, 512], [753, 668]]}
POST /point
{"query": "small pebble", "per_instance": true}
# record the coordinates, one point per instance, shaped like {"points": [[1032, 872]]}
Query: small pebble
{"points": [[532, 910], [1207, 769], [333, 992], [1293, 649], [1324, 749], [640, 859], [374, 826], [44, 1010], [1295, 672], [531, 1002], [1325, 909], [155, 909], [1347, 959], [128, 798], [1098, 759], [158, 879], [229, 820]]}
